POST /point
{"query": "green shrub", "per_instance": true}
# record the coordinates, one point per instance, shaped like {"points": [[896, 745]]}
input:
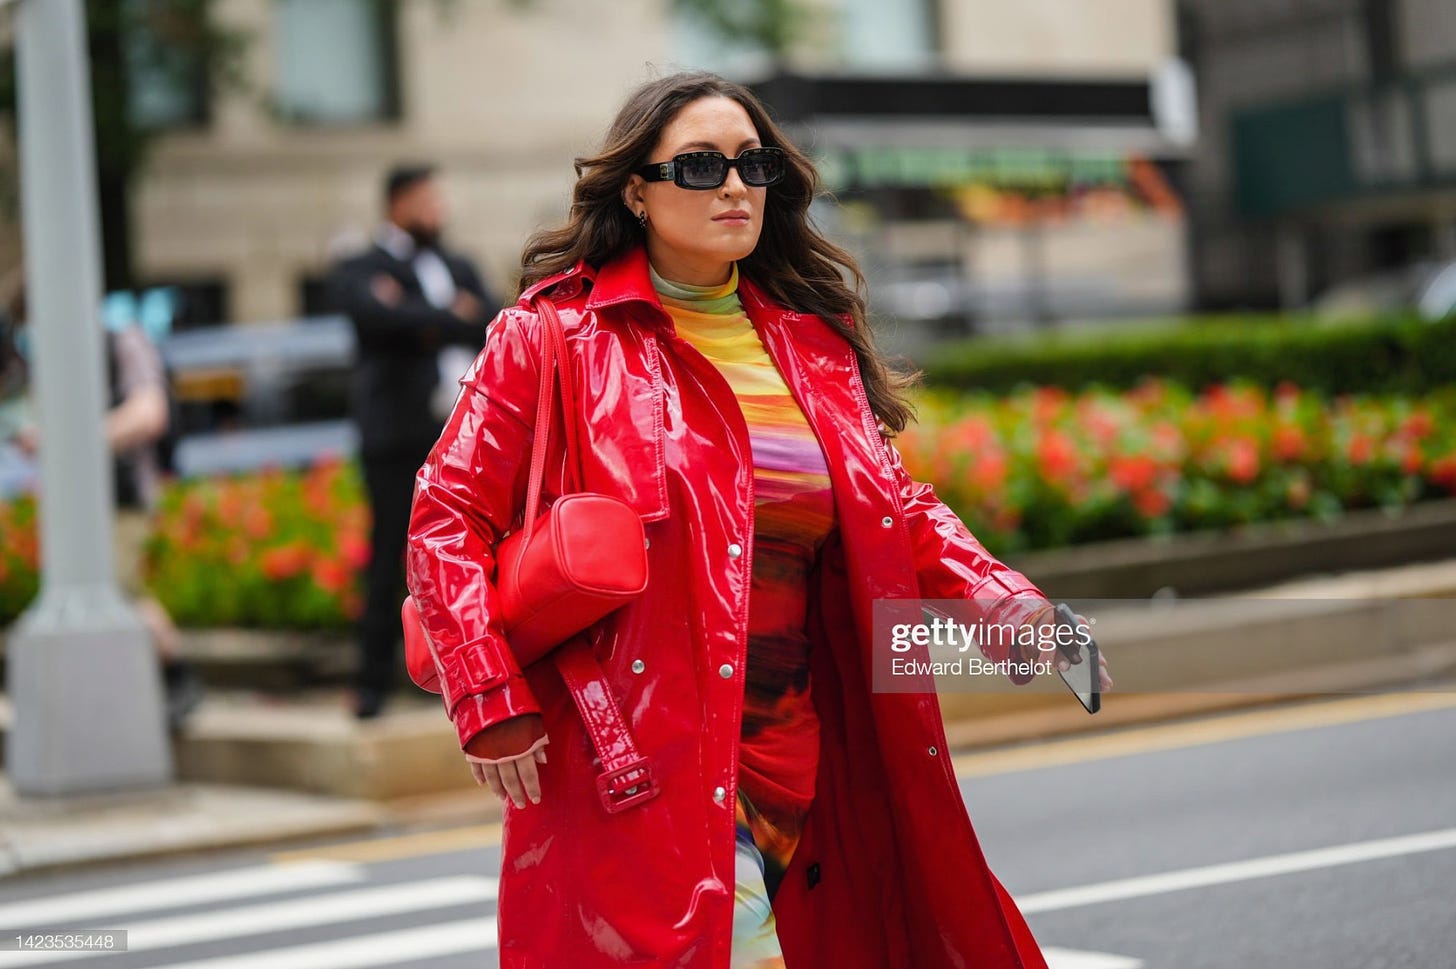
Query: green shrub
{"points": [[1389, 355], [19, 557]]}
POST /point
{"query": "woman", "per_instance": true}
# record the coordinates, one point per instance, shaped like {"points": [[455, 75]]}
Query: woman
{"points": [[729, 390]]}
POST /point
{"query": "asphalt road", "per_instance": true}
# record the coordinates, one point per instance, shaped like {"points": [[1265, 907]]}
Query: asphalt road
{"points": [[1278, 842]]}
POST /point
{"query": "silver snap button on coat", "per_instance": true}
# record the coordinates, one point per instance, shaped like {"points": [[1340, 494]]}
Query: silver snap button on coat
{"points": [[726, 670], [887, 521], [735, 550], [719, 793], [932, 751], [638, 666]]}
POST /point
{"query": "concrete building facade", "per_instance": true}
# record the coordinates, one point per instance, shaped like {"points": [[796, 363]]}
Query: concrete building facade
{"points": [[246, 208]]}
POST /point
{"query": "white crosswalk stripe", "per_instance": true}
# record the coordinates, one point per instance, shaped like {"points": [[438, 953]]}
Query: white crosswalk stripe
{"points": [[314, 894], [1077, 959], [174, 892], [315, 910], [379, 949]]}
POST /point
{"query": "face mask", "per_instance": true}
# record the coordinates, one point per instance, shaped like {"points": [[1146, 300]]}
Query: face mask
{"points": [[424, 238]]}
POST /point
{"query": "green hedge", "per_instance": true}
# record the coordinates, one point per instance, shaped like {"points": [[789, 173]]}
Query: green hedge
{"points": [[1389, 355]]}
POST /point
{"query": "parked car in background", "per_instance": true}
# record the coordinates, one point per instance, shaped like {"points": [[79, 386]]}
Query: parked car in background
{"points": [[248, 396], [1427, 289]]}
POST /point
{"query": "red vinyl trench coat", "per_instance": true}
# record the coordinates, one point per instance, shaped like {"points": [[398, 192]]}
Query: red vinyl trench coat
{"points": [[889, 872]]}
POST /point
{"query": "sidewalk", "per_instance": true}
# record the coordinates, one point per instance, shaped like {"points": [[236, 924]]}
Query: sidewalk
{"points": [[38, 833]]}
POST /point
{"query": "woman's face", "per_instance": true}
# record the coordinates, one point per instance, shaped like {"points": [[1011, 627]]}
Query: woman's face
{"points": [[694, 236]]}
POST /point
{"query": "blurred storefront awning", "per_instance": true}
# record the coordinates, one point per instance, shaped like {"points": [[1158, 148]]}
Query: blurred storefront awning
{"points": [[919, 129]]}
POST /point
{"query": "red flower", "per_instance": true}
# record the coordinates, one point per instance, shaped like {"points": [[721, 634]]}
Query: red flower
{"points": [[354, 550], [1046, 401], [1287, 392], [1133, 472], [331, 575], [284, 563], [1151, 502], [1057, 455], [1443, 472], [989, 470], [1419, 424], [1242, 457]]}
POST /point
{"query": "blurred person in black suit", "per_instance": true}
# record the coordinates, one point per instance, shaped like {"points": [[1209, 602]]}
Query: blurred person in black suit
{"points": [[420, 313]]}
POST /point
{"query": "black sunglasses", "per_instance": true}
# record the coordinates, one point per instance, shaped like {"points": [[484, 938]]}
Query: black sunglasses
{"points": [[757, 167]]}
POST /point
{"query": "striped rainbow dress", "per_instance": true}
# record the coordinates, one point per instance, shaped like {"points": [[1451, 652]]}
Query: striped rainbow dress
{"points": [[793, 514]]}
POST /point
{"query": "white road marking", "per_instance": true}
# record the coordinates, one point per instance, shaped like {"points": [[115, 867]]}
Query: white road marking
{"points": [[1237, 871], [103, 903], [404, 946], [1076, 959], [271, 917]]}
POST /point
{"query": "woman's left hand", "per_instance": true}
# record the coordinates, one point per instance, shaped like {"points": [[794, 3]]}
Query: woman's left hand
{"points": [[1063, 663], [1103, 676]]}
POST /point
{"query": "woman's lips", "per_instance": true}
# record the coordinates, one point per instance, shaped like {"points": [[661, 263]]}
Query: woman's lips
{"points": [[732, 218]]}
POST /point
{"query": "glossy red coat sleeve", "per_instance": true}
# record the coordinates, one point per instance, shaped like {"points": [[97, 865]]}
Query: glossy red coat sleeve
{"points": [[467, 495], [951, 563]]}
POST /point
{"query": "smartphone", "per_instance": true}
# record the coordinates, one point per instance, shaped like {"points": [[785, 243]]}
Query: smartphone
{"points": [[1083, 676]]}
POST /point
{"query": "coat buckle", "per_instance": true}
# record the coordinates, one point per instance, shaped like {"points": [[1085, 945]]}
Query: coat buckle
{"points": [[627, 786]]}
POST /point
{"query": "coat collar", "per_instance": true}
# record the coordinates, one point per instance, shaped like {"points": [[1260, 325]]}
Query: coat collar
{"points": [[625, 279]]}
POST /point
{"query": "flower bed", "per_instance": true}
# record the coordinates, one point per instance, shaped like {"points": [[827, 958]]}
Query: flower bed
{"points": [[19, 556], [1037, 469], [1045, 468], [272, 550]]}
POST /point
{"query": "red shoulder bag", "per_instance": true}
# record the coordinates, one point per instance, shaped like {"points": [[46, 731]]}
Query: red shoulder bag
{"points": [[568, 567]]}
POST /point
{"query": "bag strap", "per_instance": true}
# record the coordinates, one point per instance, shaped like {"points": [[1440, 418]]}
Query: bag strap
{"points": [[626, 777], [554, 376], [557, 335]]}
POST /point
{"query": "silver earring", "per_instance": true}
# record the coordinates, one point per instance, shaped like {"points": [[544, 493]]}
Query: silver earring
{"points": [[642, 219]]}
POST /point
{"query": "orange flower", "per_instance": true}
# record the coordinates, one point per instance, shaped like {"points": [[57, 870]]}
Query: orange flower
{"points": [[1288, 443], [257, 522], [1360, 449]]}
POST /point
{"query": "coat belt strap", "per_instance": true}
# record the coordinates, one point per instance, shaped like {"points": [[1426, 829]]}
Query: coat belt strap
{"points": [[626, 778]]}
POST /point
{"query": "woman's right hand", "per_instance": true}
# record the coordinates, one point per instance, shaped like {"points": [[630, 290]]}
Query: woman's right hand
{"points": [[513, 775], [516, 778]]}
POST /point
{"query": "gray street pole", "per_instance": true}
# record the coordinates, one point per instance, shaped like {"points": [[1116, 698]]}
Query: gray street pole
{"points": [[82, 675]]}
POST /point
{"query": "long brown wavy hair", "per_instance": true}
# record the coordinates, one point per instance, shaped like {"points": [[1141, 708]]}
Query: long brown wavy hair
{"points": [[792, 262]]}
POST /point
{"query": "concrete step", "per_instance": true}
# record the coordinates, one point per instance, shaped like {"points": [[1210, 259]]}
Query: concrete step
{"points": [[1247, 556]]}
